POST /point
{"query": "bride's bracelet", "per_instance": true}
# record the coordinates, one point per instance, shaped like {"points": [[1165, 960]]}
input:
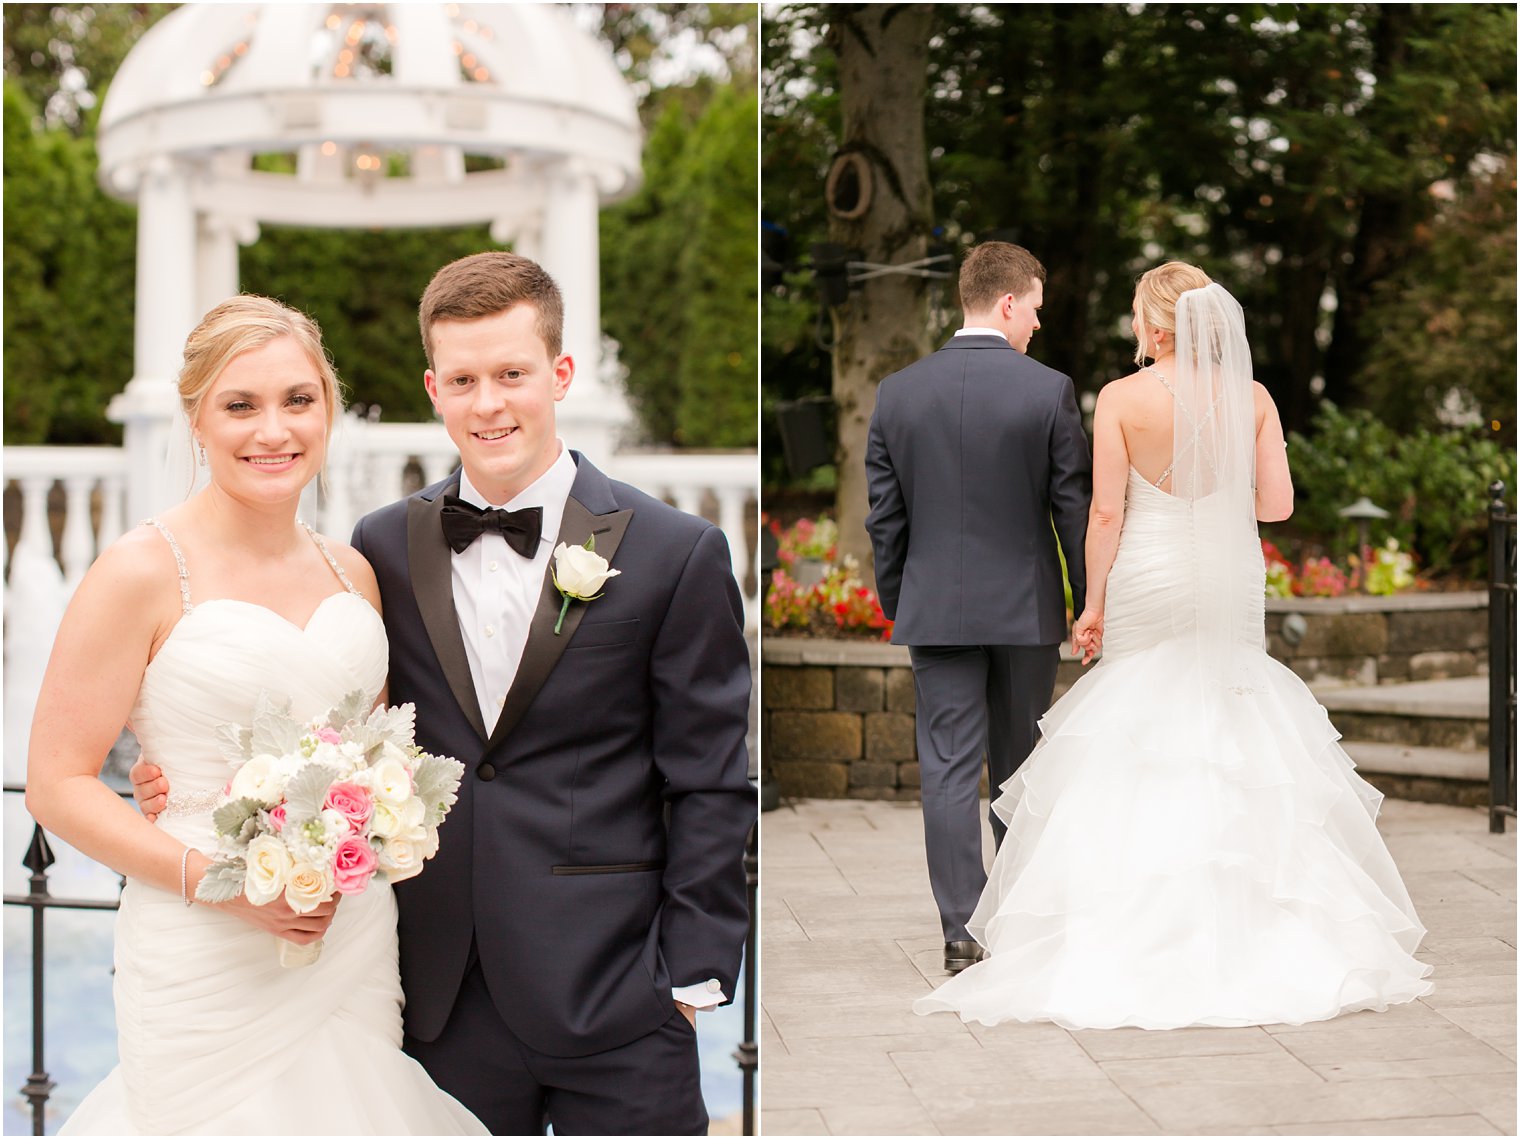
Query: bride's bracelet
{"points": [[184, 882]]}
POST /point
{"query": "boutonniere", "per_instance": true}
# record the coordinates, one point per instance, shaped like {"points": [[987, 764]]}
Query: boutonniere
{"points": [[578, 573]]}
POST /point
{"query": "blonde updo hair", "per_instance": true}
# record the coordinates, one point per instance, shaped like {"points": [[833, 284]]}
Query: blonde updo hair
{"points": [[240, 325], [1156, 296]]}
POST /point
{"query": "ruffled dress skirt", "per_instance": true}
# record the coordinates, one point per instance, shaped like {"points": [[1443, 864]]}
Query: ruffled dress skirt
{"points": [[1187, 845]]}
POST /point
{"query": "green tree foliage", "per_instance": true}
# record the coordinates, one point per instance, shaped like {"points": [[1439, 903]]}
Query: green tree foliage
{"points": [[678, 275], [1296, 152], [69, 268], [1433, 483], [1445, 327]]}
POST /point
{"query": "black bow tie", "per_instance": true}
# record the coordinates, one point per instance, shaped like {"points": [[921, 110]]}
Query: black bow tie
{"points": [[464, 522]]}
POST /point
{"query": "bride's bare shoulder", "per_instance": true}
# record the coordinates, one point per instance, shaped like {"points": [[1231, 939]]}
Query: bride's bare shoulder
{"points": [[1122, 390], [136, 578]]}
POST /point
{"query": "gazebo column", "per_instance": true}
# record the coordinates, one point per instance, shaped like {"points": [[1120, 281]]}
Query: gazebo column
{"points": [[592, 412], [165, 314], [216, 258]]}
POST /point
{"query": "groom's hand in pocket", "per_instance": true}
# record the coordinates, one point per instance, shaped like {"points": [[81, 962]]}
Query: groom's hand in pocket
{"points": [[689, 1012], [149, 788]]}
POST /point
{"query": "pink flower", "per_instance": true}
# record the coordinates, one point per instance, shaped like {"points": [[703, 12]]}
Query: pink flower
{"points": [[354, 863], [351, 801], [277, 818], [329, 736]]}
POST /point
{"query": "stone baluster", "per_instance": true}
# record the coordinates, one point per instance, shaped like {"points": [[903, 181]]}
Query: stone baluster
{"points": [[731, 500], [113, 493], [689, 498], [35, 541], [78, 546], [437, 466]]}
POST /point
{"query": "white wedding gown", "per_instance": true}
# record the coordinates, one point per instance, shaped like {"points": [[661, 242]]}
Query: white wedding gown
{"points": [[1188, 844], [216, 1037]]}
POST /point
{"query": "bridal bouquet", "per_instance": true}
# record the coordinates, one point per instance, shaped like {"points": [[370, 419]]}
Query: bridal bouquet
{"points": [[321, 808]]}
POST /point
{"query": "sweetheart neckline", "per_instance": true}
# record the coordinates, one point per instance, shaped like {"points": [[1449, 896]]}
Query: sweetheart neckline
{"points": [[280, 617]]}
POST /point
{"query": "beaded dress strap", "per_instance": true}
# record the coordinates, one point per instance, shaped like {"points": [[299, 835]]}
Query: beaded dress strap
{"points": [[332, 561], [179, 560]]}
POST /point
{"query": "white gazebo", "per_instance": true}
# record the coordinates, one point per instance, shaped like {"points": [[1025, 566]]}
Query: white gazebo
{"points": [[225, 116]]}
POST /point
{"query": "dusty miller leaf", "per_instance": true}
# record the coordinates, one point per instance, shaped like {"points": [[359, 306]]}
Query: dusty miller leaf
{"points": [[351, 707], [229, 819], [307, 791], [234, 742], [222, 882], [437, 779], [396, 724], [274, 731]]}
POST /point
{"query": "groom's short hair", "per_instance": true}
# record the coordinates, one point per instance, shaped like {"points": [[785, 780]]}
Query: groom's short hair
{"points": [[995, 268], [485, 284]]}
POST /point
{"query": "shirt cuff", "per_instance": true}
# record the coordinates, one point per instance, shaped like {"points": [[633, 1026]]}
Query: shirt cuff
{"points": [[709, 994]]}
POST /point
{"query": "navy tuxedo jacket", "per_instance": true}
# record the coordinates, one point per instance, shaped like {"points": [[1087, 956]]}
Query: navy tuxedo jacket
{"points": [[595, 856], [972, 453]]}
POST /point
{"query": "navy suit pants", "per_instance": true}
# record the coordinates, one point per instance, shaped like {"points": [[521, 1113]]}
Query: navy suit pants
{"points": [[972, 700], [649, 1086]]}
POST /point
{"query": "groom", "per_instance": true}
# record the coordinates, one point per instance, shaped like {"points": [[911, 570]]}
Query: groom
{"points": [[588, 894], [589, 890], [973, 453]]}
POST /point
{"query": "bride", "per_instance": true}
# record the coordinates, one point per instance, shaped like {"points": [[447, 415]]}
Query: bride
{"points": [[174, 631], [1188, 844]]}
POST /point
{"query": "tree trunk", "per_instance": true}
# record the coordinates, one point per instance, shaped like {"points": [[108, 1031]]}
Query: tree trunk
{"points": [[884, 326]]}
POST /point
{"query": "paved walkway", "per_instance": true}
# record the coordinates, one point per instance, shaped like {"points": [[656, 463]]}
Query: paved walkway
{"points": [[850, 937]]}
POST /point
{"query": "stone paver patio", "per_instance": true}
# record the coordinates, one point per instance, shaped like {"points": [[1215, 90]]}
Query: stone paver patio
{"points": [[850, 936]]}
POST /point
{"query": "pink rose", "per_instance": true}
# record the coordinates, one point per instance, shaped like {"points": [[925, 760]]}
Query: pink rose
{"points": [[353, 864], [329, 736], [277, 818], [351, 801]]}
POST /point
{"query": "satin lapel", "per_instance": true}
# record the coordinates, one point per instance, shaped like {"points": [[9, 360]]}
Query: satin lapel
{"points": [[542, 652], [432, 577]]}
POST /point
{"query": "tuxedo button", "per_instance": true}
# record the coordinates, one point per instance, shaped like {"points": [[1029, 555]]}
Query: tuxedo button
{"points": [[494, 566], [490, 631], [486, 772]]}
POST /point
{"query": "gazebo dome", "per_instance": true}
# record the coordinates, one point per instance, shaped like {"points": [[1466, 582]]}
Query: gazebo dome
{"points": [[373, 115], [440, 113]]}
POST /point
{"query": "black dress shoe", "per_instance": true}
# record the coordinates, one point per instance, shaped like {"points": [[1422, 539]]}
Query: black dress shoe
{"points": [[960, 954]]}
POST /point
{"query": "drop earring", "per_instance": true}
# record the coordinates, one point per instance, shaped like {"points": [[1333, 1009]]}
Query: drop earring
{"points": [[201, 447]]}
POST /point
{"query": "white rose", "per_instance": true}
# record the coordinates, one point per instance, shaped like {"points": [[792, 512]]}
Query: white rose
{"points": [[259, 780], [336, 824], [390, 751], [580, 573], [269, 866], [413, 811], [401, 857], [307, 888], [390, 781], [385, 821]]}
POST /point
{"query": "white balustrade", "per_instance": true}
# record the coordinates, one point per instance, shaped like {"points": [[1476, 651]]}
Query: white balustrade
{"points": [[367, 469]]}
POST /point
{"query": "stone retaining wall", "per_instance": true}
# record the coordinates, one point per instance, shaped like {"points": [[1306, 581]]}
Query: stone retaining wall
{"points": [[839, 714]]}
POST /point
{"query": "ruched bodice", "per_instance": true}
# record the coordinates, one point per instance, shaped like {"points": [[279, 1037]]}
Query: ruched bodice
{"points": [[211, 669], [1154, 590], [215, 1036]]}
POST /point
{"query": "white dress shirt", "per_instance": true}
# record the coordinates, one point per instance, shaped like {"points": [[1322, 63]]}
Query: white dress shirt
{"points": [[981, 332], [496, 592], [496, 589]]}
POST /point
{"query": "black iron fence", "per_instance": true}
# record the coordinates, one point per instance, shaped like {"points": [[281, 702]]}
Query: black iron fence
{"points": [[1501, 659], [39, 899]]}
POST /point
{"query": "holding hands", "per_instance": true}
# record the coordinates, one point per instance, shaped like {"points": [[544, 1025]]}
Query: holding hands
{"points": [[1087, 635]]}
